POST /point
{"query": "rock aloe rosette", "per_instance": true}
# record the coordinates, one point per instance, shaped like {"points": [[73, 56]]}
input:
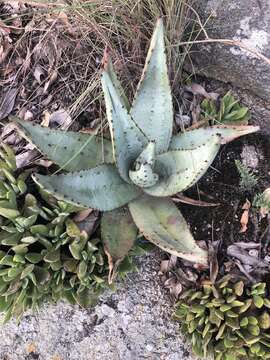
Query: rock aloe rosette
{"points": [[132, 177]]}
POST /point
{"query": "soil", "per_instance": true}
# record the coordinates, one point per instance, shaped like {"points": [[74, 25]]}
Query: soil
{"points": [[221, 185]]}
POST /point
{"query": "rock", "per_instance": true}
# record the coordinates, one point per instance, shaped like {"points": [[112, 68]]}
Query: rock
{"points": [[132, 324], [251, 156], [247, 21]]}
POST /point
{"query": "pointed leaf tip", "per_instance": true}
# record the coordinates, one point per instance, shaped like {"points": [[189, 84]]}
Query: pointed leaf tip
{"points": [[235, 131], [152, 107], [72, 151]]}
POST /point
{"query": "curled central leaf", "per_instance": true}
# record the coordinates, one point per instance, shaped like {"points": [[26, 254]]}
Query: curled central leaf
{"points": [[143, 174]]}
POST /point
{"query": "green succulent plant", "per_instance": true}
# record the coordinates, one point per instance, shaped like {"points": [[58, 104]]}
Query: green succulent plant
{"points": [[248, 180], [44, 255], [227, 321], [228, 111], [140, 167]]}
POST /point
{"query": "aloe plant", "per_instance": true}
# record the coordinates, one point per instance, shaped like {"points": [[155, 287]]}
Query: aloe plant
{"points": [[144, 166]]}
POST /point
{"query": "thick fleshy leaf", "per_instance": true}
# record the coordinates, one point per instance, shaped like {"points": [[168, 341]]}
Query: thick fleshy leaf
{"points": [[72, 151], [127, 139], [118, 233], [180, 169], [191, 139], [99, 188], [143, 174], [152, 107], [161, 223], [107, 63]]}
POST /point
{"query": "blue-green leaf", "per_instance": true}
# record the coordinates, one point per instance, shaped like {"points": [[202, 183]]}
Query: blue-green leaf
{"points": [[180, 169], [143, 174], [107, 63], [161, 223], [191, 139], [118, 233], [152, 107], [72, 151], [128, 140], [100, 188]]}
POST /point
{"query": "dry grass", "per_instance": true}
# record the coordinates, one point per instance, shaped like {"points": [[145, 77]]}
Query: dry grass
{"points": [[57, 50]]}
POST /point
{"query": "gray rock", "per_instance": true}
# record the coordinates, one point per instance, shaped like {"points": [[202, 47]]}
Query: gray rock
{"points": [[247, 21], [251, 156], [132, 324]]}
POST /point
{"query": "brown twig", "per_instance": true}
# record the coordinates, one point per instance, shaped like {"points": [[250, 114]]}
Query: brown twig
{"points": [[230, 42]]}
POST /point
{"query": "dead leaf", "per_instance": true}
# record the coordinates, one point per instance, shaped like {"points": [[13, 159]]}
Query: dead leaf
{"points": [[214, 267], [164, 266], [39, 73], [26, 114], [31, 348], [43, 162], [90, 223], [53, 76], [187, 200], [247, 245], [244, 270], [82, 215], [245, 216], [7, 129], [174, 286], [7, 102], [112, 267], [167, 265], [244, 257], [26, 158], [195, 110], [197, 89], [246, 205], [45, 118], [62, 118]]}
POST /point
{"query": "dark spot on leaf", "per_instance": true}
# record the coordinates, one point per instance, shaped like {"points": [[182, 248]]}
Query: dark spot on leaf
{"points": [[171, 220]]}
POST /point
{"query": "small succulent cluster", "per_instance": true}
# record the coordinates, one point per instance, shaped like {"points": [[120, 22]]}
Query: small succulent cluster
{"points": [[44, 254], [228, 111], [228, 321], [262, 201], [248, 180]]}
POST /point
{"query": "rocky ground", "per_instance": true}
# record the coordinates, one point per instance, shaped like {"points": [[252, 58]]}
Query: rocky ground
{"points": [[133, 324]]}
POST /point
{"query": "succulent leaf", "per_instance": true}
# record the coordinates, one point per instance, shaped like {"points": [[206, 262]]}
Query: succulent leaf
{"points": [[180, 169], [127, 139], [152, 107], [118, 233], [221, 332], [161, 223], [143, 175], [99, 188], [191, 139], [107, 63], [72, 151]]}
